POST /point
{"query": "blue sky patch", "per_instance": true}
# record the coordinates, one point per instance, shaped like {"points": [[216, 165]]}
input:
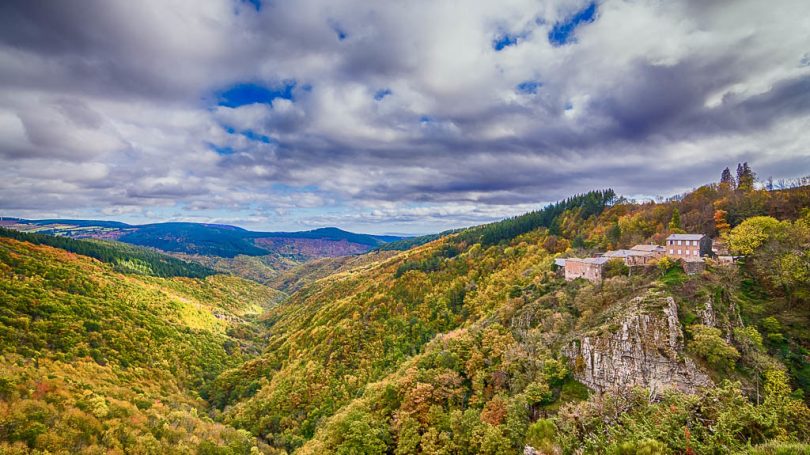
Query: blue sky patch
{"points": [[339, 31], [382, 93], [254, 136], [221, 150], [503, 41], [256, 3], [289, 189], [249, 93], [528, 87], [562, 32]]}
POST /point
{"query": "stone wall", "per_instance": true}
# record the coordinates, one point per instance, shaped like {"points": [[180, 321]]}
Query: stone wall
{"points": [[579, 268]]}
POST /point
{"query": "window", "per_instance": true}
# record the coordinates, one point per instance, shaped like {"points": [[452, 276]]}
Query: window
{"points": [[679, 252], [679, 242], [688, 252], [671, 251], [694, 242]]}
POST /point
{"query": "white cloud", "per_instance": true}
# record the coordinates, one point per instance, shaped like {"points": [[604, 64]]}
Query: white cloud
{"points": [[121, 111]]}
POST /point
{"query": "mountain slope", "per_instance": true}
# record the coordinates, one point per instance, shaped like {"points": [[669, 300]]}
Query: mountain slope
{"points": [[124, 258], [458, 345], [471, 343], [92, 359], [321, 355], [211, 239]]}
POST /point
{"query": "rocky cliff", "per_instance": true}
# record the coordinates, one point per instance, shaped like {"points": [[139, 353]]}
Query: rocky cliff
{"points": [[641, 344]]}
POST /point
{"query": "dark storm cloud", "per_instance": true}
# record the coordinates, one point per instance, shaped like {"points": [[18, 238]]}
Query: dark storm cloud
{"points": [[406, 108]]}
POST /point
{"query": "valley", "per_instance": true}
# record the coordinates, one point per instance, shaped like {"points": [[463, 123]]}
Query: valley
{"points": [[526, 227], [467, 342]]}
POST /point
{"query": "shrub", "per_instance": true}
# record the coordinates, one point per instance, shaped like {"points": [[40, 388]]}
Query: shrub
{"points": [[708, 344]]}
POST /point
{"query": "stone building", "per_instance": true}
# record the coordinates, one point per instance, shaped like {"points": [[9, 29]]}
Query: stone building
{"points": [[656, 250], [693, 266], [688, 246], [631, 257], [588, 268]]}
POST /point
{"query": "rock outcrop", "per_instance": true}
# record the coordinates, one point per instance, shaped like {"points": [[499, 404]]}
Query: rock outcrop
{"points": [[640, 345]]}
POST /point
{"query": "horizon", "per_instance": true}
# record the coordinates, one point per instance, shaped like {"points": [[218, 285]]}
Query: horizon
{"points": [[787, 183], [383, 119]]}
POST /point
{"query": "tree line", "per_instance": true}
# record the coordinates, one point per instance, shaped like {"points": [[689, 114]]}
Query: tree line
{"points": [[125, 258]]}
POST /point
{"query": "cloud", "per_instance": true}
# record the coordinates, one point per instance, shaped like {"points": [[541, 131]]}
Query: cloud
{"points": [[450, 116]]}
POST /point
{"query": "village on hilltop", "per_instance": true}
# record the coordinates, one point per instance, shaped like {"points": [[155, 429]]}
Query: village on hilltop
{"points": [[691, 250]]}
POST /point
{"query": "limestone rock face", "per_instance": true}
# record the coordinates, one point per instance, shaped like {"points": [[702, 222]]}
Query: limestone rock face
{"points": [[643, 347], [707, 315]]}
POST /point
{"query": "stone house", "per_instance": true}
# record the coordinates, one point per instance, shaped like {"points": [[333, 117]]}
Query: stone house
{"points": [[656, 250], [631, 257], [588, 268], [688, 246]]}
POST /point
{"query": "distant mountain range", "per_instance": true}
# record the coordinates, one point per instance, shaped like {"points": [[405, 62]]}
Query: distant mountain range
{"points": [[210, 239]]}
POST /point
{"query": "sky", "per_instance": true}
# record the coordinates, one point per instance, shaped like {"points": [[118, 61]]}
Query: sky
{"points": [[388, 116]]}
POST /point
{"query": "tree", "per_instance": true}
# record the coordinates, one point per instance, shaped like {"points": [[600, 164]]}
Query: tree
{"points": [[752, 234], [720, 221], [360, 433], [726, 180], [675, 221], [614, 234], [666, 263], [745, 178], [708, 344], [615, 267], [541, 435]]}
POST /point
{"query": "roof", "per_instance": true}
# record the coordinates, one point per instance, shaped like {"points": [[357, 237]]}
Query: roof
{"points": [[685, 236], [559, 262], [625, 253], [600, 260], [645, 247]]}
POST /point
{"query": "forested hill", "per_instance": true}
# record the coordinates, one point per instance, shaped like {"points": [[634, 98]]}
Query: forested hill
{"points": [[459, 345], [122, 257], [588, 204], [469, 343], [210, 239], [97, 361]]}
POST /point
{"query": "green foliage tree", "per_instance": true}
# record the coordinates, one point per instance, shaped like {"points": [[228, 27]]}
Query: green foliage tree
{"points": [[675, 221], [542, 435], [360, 434], [708, 343], [752, 233], [745, 178], [615, 267]]}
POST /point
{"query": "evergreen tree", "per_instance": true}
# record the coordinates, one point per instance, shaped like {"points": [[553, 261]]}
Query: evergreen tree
{"points": [[745, 178], [726, 179], [675, 221]]}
